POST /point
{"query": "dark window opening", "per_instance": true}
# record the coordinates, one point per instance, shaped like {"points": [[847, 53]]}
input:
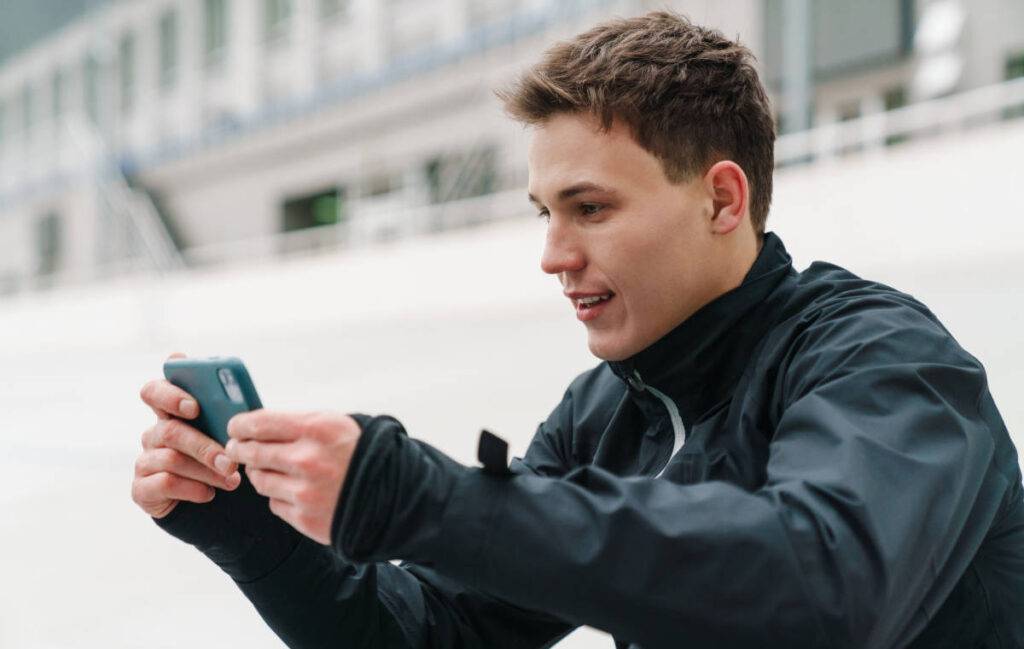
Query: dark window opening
{"points": [[126, 72], [57, 94], [847, 112], [892, 99], [49, 244], [90, 88], [309, 212], [312, 211], [168, 30], [466, 174], [333, 9], [28, 110], [215, 31], [276, 19], [1014, 70]]}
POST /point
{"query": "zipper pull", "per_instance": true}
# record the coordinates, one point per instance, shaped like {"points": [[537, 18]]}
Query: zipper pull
{"points": [[636, 382]]}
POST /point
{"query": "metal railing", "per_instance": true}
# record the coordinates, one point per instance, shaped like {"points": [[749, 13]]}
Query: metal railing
{"points": [[972, 108], [366, 228], [131, 217], [142, 225]]}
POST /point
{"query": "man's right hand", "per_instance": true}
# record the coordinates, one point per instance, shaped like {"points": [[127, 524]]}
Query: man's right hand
{"points": [[177, 461]]}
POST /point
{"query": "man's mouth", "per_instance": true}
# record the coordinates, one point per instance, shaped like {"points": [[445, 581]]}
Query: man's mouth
{"points": [[593, 300], [589, 307]]}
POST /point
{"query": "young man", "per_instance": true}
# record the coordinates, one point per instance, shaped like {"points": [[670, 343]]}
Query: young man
{"points": [[765, 458]]}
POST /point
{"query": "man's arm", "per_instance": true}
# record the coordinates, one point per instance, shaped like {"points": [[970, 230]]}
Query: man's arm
{"points": [[312, 597], [879, 490]]}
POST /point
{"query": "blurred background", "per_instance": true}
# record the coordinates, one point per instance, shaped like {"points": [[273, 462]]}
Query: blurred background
{"points": [[328, 189]]}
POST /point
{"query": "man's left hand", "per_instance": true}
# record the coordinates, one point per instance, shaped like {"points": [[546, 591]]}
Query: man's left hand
{"points": [[298, 460]]}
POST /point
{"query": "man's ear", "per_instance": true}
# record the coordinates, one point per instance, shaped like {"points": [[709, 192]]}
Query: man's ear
{"points": [[727, 185]]}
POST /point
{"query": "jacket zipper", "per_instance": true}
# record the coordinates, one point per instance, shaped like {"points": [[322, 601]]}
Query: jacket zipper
{"points": [[678, 430]]}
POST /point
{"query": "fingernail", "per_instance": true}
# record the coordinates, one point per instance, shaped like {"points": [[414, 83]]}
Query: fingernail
{"points": [[233, 480], [188, 407], [223, 463]]}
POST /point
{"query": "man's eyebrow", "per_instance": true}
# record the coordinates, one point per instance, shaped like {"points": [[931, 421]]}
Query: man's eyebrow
{"points": [[573, 190]]}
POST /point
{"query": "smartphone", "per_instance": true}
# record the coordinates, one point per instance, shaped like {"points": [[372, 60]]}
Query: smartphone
{"points": [[221, 386]]}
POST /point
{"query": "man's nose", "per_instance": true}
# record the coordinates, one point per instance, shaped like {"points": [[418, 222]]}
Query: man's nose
{"points": [[562, 253]]}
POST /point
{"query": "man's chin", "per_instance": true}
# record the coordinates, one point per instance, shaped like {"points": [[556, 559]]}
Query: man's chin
{"points": [[607, 348]]}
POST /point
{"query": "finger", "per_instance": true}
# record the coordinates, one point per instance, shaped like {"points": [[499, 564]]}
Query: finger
{"points": [[176, 434], [267, 426], [168, 460], [260, 455], [168, 399], [155, 489], [175, 355], [273, 485]]}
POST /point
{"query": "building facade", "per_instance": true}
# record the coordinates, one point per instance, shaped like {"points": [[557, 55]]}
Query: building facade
{"points": [[152, 133]]}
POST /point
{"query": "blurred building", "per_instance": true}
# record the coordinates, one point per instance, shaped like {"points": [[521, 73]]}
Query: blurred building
{"points": [[140, 134]]}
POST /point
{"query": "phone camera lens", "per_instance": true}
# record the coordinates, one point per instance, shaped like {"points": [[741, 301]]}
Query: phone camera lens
{"points": [[230, 384]]}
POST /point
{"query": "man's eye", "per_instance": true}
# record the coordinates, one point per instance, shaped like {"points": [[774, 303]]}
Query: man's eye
{"points": [[589, 209], [544, 214]]}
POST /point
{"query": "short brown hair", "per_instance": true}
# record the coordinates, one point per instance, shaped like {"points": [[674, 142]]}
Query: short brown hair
{"points": [[690, 96]]}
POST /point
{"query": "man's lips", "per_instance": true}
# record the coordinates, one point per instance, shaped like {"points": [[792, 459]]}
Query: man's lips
{"points": [[589, 304], [586, 298]]}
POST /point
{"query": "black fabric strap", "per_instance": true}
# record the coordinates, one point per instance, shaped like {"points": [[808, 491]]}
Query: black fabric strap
{"points": [[492, 452]]}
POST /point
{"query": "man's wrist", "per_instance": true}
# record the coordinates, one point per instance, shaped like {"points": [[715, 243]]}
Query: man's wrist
{"points": [[394, 495], [236, 530]]}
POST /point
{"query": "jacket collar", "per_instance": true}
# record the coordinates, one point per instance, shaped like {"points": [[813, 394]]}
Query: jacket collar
{"points": [[698, 363]]}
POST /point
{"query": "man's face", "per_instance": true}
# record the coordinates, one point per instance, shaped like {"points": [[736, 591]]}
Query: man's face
{"points": [[620, 231]]}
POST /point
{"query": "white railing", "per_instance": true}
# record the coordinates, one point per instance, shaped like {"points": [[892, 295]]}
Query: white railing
{"points": [[366, 227], [928, 118], [131, 236], [136, 224], [872, 132]]}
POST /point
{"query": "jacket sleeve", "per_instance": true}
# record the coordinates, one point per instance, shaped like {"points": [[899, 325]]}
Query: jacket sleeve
{"points": [[312, 597], [872, 504]]}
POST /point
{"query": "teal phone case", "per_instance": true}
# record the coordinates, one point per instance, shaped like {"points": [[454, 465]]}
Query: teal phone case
{"points": [[220, 397]]}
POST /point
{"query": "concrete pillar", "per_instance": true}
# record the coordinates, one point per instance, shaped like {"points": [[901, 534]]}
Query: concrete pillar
{"points": [[453, 20], [306, 32], [797, 81], [245, 54], [190, 66], [373, 16]]}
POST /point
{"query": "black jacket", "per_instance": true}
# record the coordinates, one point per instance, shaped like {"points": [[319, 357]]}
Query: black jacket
{"points": [[845, 481]]}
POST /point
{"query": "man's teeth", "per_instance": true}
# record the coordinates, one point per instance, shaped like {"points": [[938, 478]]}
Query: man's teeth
{"points": [[587, 301]]}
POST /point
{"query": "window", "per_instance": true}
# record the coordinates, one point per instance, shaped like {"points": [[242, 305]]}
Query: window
{"points": [[484, 12], [126, 72], [849, 111], [57, 94], [49, 244], [895, 97], [90, 88], [215, 31], [168, 28], [27, 110], [1014, 70], [333, 9], [310, 211], [465, 174], [276, 16], [1015, 66]]}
